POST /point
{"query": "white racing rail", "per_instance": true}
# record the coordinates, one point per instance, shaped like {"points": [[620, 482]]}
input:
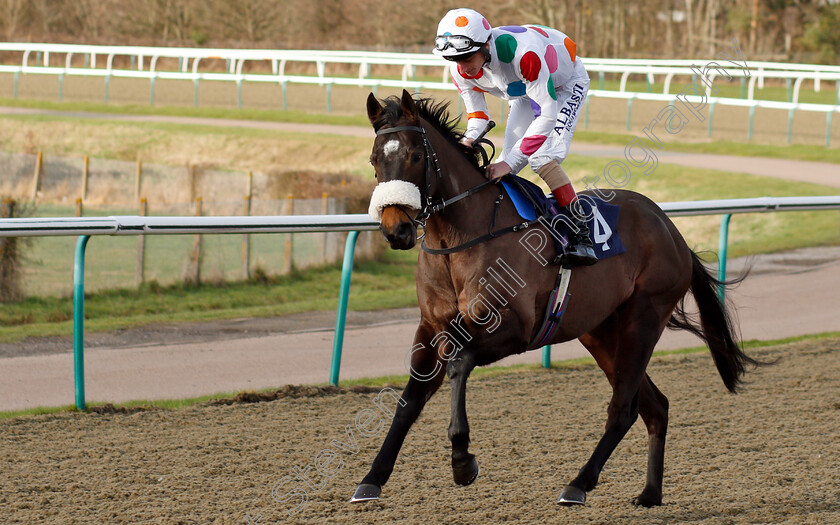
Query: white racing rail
{"points": [[194, 64]]}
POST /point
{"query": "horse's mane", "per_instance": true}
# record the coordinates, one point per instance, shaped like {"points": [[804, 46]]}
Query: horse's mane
{"points": [[436, 114]]}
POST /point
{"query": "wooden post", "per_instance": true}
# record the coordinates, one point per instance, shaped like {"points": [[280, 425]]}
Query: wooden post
{"points": [[85, 174], [327, 236], [36, 183], [194, 269], [140, 267], [78, 207], [287, 254], [246, 239], [138, 179]]}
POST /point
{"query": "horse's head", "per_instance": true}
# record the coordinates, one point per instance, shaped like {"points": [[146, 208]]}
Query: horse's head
{"points": [[399, 158]]}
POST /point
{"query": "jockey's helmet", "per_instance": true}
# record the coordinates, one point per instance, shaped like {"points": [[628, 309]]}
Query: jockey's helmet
{"points": [[461, 32]]}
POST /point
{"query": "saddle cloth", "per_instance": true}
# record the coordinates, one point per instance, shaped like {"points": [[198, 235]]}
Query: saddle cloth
{"points": [[531, 202]]}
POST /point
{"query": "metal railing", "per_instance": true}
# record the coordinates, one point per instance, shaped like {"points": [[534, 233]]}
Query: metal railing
{"points": [[85, 227]]}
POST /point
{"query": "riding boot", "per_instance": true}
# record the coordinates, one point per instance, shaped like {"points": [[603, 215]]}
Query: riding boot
{"points": [[579, 252]]}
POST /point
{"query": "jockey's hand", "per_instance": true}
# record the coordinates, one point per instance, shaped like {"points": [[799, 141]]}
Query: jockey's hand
{"points": [[466, 141], [497, 170]]}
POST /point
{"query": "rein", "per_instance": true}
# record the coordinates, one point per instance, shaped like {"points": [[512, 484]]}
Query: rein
{"points": [[430, 208]]}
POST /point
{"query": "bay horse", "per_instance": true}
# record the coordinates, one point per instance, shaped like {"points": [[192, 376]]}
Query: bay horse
{"points": [[618, 308]]}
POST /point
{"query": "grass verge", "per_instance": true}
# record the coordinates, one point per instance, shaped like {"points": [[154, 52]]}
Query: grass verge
{"points": [[478, 373]]}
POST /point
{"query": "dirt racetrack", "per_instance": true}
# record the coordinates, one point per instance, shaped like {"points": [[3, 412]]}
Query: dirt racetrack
{"points": [[767, 455]]}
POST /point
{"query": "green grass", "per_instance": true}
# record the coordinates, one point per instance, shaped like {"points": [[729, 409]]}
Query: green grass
{"points": [[270, 115], [381, 284], [721, 147], [382, 381], [386, 283]]}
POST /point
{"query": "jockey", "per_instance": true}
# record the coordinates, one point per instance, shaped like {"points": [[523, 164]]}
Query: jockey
{"points": [[537, 70]]}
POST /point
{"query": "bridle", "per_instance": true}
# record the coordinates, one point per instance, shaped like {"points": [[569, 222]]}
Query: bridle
{"points": [[430, 207]]}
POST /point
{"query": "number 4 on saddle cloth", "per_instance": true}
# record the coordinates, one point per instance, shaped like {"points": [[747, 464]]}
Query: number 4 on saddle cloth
{"points": [[602, 218]]}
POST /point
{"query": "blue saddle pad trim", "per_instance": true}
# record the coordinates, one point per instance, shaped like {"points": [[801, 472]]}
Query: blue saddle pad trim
{"points": [[523, 205], [602, 216]]}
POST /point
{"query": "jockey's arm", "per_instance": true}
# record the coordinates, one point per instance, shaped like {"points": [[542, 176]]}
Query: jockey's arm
{"points": [[475, 105], [540, 90]]}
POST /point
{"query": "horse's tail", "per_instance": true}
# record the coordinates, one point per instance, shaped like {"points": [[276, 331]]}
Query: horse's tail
{"points": [[716, 326]]}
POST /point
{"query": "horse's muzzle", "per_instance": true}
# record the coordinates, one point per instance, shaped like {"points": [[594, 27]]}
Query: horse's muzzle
{"points": [[398, 229]]}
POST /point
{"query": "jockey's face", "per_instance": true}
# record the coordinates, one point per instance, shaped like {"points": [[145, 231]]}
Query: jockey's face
{"points": [[472, 65]]}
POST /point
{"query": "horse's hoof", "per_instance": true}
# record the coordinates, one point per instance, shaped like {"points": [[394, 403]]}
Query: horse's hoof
{"points": [[366, 492], [466, 474], [646, 499], [571, 496]]}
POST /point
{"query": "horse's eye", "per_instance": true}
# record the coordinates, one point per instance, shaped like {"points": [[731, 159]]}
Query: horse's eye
{"points": [[417, 157]]}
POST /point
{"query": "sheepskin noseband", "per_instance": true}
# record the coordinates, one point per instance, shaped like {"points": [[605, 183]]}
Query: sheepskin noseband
{"points": [[393, 193]]}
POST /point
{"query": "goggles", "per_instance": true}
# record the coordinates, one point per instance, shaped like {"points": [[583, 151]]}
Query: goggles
{"points": [[457, 42]]}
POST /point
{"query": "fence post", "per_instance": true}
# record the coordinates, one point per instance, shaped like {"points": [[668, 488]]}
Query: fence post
{"points": [[152, 91], [324, 210], [78, 207], [85, 174], [36, 183], [246, 238], [711, 117], [752, 119], [138, 180], [723, 244], [287, 255], [140, 267], [790, 124], [194, 270], [341, 314], [79, 321], [546, 356], [629, 111], [828, 128]]}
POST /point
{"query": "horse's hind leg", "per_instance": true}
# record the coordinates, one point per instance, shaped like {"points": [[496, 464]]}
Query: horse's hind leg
{"points": [[640, 326], [653, 407], [464, 465]]}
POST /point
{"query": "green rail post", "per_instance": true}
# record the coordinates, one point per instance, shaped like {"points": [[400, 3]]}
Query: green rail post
{"points": [[752, 119], [601, 80], [341, 314], [152, 91], [60, 86], [283, 84], [79, 320], [329, 98], [17, 78], [107, 83], [711, 117], [790, 124], [195, 96], [789, 90], [723, 243], [239, 93], [629, 111], [586, 112], [828, 129], [546, 358], [743, 87]]}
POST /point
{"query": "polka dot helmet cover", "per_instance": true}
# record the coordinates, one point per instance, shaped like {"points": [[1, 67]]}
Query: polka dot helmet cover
{"points": [[462, 22]]}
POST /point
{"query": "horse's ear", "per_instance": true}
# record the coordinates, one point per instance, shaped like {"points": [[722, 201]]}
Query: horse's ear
{"points": [[409, 107], [374, 109]]}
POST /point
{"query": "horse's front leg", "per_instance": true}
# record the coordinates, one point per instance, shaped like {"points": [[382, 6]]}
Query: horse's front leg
{"points": [[464, 466], [427, 373]]}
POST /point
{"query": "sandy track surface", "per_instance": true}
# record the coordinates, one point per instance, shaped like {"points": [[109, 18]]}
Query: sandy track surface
{"points": [[767, 455]]}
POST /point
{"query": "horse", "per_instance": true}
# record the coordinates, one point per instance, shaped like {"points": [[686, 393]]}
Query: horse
{"points": [[618, 308]]}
